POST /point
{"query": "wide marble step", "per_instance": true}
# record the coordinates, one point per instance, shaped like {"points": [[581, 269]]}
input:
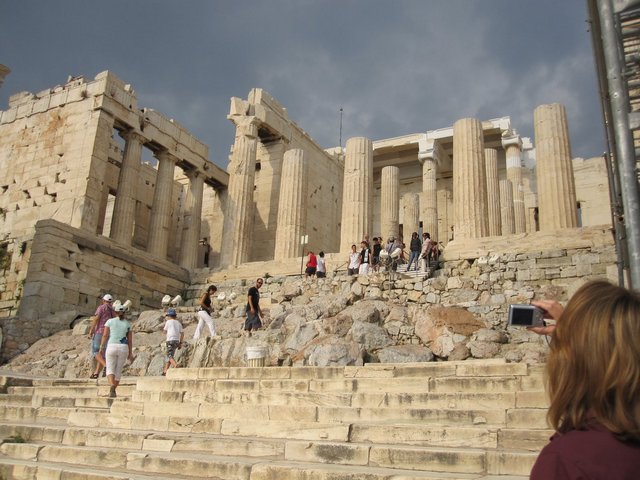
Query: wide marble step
{"points": [[165, 461]]}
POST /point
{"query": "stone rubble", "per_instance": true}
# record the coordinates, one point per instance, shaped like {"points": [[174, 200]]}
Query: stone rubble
{"points": [[322, 322]]}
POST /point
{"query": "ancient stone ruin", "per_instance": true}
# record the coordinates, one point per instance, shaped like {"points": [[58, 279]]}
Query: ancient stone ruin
{"points": [[101, 195]]}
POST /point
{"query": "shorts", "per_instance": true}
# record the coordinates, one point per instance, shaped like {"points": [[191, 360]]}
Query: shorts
{"points": [[95, 345], [252, 322], [172, 346], [321, 274], [310, 271]]}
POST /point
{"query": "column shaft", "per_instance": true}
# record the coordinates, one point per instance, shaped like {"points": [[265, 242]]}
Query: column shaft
{"points": [[161, 208], [124, 209], [506, 207], [390, 202], [469, 180], [411, 220], [554, 172], [429, 195], [292, 206], [238, 220], [357, 196], [514, 174], [192, 220], [493, 192]]}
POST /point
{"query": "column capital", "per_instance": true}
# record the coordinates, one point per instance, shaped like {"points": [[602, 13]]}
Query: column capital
{"points": [[132, 135], [246, 125], [429, 148], [511, 137], [166, 155]]}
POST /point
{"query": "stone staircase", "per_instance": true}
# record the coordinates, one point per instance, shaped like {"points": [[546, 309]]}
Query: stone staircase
{"points": [[451, 420]]}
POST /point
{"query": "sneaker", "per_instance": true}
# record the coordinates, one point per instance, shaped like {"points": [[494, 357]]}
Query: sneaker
{"points": [[112, 392]]}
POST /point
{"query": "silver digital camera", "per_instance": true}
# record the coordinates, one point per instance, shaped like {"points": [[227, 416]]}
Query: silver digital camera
{"points": [[525, 316]]}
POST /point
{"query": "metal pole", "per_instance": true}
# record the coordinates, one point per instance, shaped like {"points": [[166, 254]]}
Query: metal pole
{"points": [[625, 151], [615, 198]]}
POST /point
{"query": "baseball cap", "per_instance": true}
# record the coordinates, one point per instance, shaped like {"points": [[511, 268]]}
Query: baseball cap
{"points": [[171, 312], [107, 298]]}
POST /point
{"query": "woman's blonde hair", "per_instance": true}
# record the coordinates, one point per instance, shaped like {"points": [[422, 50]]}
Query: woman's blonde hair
{"points": [[594, 363]]}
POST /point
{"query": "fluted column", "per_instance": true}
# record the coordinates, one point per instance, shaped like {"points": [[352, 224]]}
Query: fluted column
{"points": [[161, 209], [554, 172], [506, 207], [192, 220], [493, 191], [469, 180], [292, 206], [357, 193], [512, 143], [390, 202], [238, 220], [430, 155], [124, 207], [411, 215]]}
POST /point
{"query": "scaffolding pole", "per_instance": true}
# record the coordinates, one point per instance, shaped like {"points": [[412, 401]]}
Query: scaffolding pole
{"points": [[624, 151]]}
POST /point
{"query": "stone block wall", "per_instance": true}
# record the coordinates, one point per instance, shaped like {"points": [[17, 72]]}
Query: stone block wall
{"points": [[69, 269]]}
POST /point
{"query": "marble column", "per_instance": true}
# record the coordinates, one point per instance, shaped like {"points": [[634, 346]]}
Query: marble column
{"points": [[161, 208], [554, 172], [357, 192], [493, 192], [512, 143], [390, 202], [469, 180], [506, 207], [124, 208], [238, 221], [192, 220], [411, 220], [292, 206], [430, 155]]}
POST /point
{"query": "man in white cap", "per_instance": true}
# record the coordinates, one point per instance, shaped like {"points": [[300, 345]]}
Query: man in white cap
{"points": [[103, 313]]}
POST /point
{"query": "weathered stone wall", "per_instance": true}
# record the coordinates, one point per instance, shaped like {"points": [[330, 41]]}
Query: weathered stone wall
{"points": [[69, 269], [60, 158], [592, 191], [484, 281]]}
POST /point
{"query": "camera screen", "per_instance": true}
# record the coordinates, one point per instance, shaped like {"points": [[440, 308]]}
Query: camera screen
{"points": [[522, 316]]}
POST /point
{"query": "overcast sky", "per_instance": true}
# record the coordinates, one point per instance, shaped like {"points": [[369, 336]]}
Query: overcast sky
{"points": [[395, 66]]}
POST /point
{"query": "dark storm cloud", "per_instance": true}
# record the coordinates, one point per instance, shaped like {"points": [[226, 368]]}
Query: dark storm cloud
{"points": [[394, 67]]}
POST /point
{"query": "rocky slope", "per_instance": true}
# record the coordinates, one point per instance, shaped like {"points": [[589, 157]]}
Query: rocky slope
{"points": [[308, 322]]}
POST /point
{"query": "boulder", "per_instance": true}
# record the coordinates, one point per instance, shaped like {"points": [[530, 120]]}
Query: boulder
{"points": [[405, 354]]}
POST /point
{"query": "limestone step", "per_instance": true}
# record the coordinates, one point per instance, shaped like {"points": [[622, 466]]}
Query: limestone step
{"points": [[71, 391], [533, 399], [311, 454], [467, 368], [29, 413], [203, 442], [304, 471], [199, 437], [28, 470], [15, 399], [503, 384]]}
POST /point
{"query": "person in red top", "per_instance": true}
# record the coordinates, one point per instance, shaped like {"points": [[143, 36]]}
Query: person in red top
{"points": [[103, 313], [312, 264], [593, 381]]}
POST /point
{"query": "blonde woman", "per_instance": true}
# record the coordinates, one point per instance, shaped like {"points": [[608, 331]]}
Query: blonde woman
{"points": [[593, 381]]}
